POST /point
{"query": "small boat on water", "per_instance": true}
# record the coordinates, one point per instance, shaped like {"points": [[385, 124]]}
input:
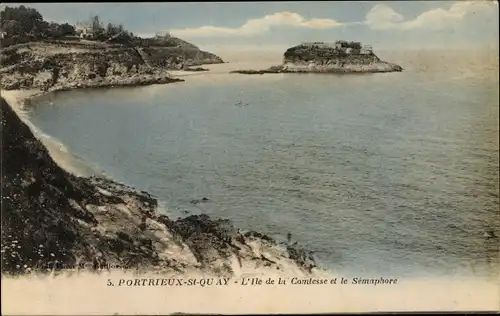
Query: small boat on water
{"points": [[241, 104]]}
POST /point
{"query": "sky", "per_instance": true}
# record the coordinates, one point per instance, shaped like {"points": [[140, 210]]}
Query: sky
{"points": [[267, 25]]}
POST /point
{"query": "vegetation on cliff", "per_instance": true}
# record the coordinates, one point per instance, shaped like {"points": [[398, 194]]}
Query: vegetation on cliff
{"points": [[22, 24]]}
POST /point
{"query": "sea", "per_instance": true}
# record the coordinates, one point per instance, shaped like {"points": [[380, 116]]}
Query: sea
{"points": [[389, 174]]}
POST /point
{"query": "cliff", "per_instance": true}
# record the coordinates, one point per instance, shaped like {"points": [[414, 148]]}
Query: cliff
{"points": [[59, 65], [329, 58], [173, 53], [52, 219]]}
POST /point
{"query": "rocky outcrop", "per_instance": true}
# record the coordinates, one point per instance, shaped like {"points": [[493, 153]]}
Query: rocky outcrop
{"points": [[195, 69], [173, 53], [52, 219], [177, 58], [250, 72], [322, 58], [57, 65]]}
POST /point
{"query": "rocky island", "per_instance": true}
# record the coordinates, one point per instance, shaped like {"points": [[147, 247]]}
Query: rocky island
{"points": [[320, 57]]}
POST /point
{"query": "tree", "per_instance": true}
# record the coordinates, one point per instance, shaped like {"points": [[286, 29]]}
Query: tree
{"points": [[117, 33], [97, 27], [355, 45], [67, 29], [95, 23], [27, 24], [29, 19], [110, 30], [54, 30], [12, 27]]}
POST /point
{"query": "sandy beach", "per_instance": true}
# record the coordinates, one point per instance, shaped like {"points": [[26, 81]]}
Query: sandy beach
{"points": [[16, 98]]}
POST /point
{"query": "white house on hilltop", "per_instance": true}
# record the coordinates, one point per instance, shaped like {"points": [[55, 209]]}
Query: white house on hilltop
{"points": [[162, 35], [84, 30]]}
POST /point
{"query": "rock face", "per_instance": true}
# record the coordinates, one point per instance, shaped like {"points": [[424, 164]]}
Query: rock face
{"points": [[173, 53], [177, 58], [56, 65], [52, 219]]}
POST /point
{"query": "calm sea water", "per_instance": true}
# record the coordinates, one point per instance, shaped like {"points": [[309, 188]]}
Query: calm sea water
{"points": [[381, 174]]}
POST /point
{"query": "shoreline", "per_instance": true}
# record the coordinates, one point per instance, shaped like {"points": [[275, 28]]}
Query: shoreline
{"points": [[20, 97], [263, 253]]}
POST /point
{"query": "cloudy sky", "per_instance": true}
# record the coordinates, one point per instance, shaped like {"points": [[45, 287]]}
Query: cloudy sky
{"points": [[253, 25]]}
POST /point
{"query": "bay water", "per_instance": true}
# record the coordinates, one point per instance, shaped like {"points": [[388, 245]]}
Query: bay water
{"points": [[379, 174]]}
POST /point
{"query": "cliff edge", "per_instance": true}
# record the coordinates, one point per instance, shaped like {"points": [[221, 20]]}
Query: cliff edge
{"points": [[54, 220]]}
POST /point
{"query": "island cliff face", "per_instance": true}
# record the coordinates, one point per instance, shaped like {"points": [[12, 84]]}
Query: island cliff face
{"points": [[338, 57], [52, 219], [60, 65]]}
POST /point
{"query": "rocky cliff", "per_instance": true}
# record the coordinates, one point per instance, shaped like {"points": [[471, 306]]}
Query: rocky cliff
{"points": [[52, 219], [59, 65], [176, 58], [174, 53]]}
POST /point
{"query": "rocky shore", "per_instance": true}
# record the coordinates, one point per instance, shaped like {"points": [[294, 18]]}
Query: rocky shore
{"points": [[64, 65], [325, 58], [52, 220]]}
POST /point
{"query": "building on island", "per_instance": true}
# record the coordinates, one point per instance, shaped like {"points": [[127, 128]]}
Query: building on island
{"points": [[340, 44], [345, 46]]}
